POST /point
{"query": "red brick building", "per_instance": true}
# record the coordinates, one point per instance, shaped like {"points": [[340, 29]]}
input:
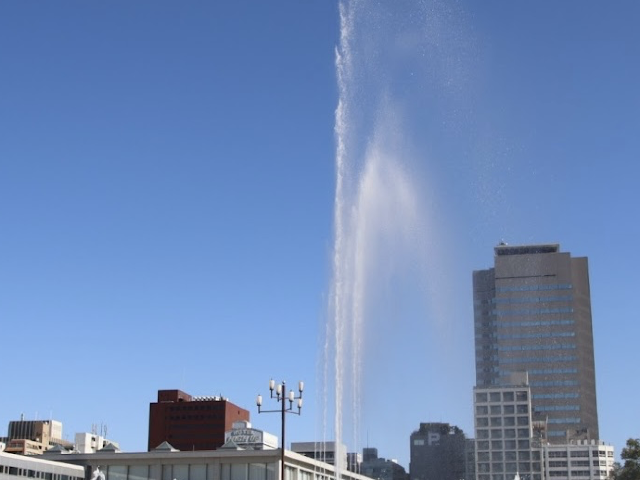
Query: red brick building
{"points": [[191, 423]]}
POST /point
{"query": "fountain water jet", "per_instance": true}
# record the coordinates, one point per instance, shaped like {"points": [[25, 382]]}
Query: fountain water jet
{"points": [[383, 245]]}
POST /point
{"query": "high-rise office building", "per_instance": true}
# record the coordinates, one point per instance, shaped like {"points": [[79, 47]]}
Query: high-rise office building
{"points": [[532, 314]]}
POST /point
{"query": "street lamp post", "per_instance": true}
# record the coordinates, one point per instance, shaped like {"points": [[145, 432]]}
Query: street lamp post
{"points": [[281, 396]]}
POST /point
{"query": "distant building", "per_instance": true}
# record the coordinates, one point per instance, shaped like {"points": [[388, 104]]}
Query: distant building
{"points": [[469, 459], [33, 437], [437, 452], [354, 461], [92, 442], [328, 452], [380, 468], [191, 423], [584, 459]]}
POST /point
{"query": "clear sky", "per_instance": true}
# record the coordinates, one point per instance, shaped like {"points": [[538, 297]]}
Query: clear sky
{"points": [[167, 182]]}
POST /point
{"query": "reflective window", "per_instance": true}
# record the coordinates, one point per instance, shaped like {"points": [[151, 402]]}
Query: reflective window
{"points": [[198, 472], [534, 288], [510, 445], [542, 346], [542, 359], [139, 472], [117, 472], [239, 471], [536, 335], [564, 420], [181, 472], [531, 311]]}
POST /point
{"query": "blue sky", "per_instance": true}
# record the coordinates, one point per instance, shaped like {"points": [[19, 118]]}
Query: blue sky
{"points": [[167, 179]]}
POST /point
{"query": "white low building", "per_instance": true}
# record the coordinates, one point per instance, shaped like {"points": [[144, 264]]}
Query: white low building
{"points": [[22, 467], [221, 464], [91, 442], [582, 459]]}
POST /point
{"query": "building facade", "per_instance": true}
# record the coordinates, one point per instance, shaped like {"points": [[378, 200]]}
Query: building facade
{"points": [[504, 432], [20, 467], [508, 441], [580, 459], [33, 437], [437, 452], [92, 442], [191, 423], [532, 314], [328, 452], [221, 464]]}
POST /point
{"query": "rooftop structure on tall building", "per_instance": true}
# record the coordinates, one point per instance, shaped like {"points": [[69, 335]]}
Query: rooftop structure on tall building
{"points": [[191, 423], [532, 314], [437, 452]]}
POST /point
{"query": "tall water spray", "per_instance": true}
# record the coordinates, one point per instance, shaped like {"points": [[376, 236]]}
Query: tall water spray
{"points": [[384, 256]]}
